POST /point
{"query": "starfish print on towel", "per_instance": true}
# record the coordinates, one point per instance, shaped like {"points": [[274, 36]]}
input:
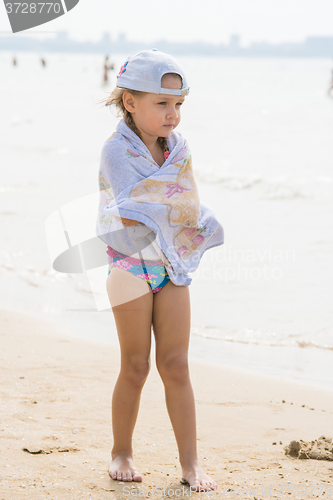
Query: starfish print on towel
{"points": [[180, 197], [175, 188]]}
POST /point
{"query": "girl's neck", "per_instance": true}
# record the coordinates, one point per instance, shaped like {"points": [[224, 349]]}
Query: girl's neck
{"points": [[157, 153], [152, 144], [154, 147]]}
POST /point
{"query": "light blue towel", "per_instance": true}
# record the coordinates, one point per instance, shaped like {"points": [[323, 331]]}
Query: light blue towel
{"points": [[164, 200]]}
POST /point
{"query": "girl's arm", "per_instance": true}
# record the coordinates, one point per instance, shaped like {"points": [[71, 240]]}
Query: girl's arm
{"points": [[127, 222], [110, 180]]}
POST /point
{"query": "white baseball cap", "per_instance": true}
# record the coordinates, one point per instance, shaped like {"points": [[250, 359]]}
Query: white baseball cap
{"points": [[144, 70]]}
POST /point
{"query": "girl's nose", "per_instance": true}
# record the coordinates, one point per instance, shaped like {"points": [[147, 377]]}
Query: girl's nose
{"points": [[173, 113]]}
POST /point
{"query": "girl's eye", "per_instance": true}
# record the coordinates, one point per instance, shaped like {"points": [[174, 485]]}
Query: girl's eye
{"points": [[164, 103]]}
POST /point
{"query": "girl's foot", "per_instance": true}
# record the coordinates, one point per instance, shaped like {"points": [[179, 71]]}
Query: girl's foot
{"points": [[122, 469], [195, 477]]}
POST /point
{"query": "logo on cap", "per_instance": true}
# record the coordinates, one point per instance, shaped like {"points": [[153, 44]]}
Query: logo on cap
{"points": [[122, 69]]}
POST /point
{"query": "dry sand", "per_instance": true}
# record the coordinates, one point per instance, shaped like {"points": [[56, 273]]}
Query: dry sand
{"points": [[56, 396]]}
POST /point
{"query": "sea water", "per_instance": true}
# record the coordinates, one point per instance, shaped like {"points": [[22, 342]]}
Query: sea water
{"points": [[260, 132]]}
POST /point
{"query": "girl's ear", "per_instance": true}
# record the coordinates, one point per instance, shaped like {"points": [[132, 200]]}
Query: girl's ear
{"points": [[129, 102]]}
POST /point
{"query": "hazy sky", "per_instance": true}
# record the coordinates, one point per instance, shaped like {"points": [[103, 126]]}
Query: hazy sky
{"points": [[186, 20]]}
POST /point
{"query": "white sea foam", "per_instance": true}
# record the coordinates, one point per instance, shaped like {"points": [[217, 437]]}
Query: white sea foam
{"points": [[282, 187], [263, 337]]}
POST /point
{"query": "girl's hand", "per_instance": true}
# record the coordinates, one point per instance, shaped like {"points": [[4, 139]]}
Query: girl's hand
{"points": [[127, 222]]}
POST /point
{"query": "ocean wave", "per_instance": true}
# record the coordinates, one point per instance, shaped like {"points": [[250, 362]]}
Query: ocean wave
{"points": [[40, 278], [275, 188], [9, 188], [10, 264], [17, 121], [258, 337]]}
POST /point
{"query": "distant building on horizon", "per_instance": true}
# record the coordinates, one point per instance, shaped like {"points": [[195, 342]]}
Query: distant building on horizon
{"points": [[234, 45], [317, 45], [312, 46]]}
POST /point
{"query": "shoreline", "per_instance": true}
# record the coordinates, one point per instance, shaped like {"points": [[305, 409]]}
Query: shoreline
{"points": [[57, 391], [308, 365], [297, 365]]}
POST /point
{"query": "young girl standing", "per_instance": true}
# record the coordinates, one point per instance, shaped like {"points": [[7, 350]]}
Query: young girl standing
{"points": [[156, 229]]}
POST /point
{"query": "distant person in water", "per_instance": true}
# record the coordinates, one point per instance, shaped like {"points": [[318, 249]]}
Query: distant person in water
{"points": [[107, 67], [329, 92], [14, 61], [43, 62]]}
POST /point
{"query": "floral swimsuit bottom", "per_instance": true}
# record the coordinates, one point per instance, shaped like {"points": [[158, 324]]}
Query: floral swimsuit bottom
{"points": [[157, 276]]}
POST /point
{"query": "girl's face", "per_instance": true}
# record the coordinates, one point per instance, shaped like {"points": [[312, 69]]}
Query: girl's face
{"points": [[156, 115]]}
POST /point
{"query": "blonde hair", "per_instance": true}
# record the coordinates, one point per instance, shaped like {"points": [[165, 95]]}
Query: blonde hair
{"points": [[115, 99]]}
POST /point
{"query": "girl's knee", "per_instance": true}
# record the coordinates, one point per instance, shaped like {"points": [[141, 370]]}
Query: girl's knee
{"points": [[173, 368], [135, 370]]}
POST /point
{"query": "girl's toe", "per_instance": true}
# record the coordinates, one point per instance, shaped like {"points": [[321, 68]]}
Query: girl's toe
{"points": [[197, 485]]}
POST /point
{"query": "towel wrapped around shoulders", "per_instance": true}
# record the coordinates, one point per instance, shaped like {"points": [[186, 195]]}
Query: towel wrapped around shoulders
{"points": [[164, 200]]}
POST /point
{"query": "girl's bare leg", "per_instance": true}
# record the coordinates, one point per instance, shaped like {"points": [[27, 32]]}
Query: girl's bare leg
{"points": [[131, 301], [171, 325]]}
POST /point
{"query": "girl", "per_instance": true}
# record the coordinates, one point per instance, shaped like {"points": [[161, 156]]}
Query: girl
{"points": [[156, 229]]}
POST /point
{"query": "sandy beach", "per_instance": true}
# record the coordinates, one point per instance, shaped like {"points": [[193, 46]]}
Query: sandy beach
{"points": [[56, 425]]}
